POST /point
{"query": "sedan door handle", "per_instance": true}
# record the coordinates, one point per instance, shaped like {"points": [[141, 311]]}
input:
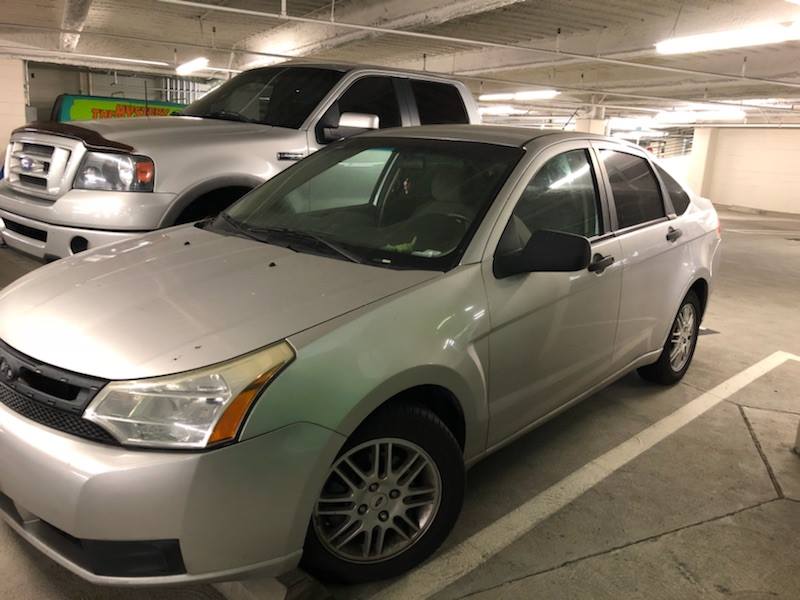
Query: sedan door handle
{"points": [[600, 263], [673, 234]]}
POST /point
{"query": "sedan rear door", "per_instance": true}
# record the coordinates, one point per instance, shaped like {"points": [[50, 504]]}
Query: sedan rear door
{"points": [[653, 278]]}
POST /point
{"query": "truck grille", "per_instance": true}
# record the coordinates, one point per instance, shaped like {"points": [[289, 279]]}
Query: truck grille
{"points": [[42, 165]]}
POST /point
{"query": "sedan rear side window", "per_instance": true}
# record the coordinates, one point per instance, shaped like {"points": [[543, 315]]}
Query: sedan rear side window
{"points": [[635, 188], [438, 103], [562, 196], [679, 197]]}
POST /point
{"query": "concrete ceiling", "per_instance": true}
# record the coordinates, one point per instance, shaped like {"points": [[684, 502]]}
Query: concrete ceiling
{"points": [[597, 54]]}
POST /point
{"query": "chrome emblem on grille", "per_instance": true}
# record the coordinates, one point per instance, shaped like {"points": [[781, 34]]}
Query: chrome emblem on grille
{"points": [[26, 163]]}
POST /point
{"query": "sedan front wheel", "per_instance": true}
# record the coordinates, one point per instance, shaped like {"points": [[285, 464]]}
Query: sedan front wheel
{"points": [[389, 499]]}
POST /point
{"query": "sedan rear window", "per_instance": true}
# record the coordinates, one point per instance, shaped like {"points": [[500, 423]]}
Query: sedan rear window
{"points": [[637, 196], [678, 196]]}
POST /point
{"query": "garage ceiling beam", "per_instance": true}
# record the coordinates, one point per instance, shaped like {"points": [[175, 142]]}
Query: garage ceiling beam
{"points": [[74, 18], [479, 43], [511, 82], [306, 37]]}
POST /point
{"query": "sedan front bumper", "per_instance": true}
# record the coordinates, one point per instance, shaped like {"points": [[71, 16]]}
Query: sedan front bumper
{"points": [[239, 509]]}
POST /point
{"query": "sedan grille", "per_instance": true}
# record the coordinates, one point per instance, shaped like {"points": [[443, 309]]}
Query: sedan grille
{"points": [[54, 417], [48, 395]]}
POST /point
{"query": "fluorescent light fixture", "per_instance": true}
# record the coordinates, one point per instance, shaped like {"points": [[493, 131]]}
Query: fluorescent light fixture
{"points": [[755, 35], [629, 123], [638, 135], [519, 96], [196, 64], [687, 117], [119, 59], [501, 110]]}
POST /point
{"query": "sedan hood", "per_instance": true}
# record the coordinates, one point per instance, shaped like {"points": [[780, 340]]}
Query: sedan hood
{"points": [[180, 299]]}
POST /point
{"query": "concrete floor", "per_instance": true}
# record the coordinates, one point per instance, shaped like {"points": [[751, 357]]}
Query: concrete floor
{"points": [[712, 511]]}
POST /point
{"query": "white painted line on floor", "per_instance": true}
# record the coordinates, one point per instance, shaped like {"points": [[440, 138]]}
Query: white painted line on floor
{"points": [[778, 232], [474, 551]]}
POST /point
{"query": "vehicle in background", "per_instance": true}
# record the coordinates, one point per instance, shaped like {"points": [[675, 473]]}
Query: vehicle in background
{"points": [[74, 186], [309, 373]]}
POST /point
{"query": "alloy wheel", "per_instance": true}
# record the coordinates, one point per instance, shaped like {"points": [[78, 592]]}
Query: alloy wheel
{"points": [[378, 500], [682, 337]]}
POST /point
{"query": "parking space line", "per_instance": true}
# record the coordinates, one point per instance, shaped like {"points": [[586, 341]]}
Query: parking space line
{"points": [[447, 568]]}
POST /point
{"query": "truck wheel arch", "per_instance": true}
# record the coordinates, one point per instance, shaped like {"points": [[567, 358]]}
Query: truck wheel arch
{"points": [[224, 185]]}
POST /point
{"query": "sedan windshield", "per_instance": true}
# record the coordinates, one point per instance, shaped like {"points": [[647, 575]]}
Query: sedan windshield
{"points": [[401, 203], [278, 96]]}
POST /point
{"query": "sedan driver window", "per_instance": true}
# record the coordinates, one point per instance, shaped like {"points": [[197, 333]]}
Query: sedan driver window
{"points": [[562, 196]]}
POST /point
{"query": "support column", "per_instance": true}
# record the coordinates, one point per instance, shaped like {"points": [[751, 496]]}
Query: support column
{"points": [[12, 99], [597, 126], [700, 158], [594, 122]]}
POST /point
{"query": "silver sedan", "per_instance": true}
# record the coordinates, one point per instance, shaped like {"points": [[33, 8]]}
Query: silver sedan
{"points": [[308, 375]]}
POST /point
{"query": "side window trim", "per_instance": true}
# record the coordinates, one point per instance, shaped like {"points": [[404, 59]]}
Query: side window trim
{"points": [[409, 103], [671, 212], [405, 97], [597, 147]]}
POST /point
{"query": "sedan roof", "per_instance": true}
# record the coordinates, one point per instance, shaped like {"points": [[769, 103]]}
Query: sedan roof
{"points": [[488, 134]]}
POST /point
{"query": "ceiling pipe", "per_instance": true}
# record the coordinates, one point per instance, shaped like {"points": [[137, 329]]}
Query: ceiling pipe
{"points": [[508, 82], [477, 43]]}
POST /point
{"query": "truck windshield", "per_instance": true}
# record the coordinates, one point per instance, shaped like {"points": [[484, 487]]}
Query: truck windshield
{"points": [[278, 96], [390, 202]]}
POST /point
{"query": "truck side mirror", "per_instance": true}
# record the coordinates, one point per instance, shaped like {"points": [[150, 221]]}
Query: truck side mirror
{"points": [[349, 124], [546, 251]]}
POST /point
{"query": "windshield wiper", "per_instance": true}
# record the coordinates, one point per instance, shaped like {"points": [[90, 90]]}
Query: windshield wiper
{"points": [[304, 237], [226, 115], [239, 227]]}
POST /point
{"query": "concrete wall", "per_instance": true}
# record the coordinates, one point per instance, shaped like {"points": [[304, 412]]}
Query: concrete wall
{"points": [[12, 99], [755, 167]]}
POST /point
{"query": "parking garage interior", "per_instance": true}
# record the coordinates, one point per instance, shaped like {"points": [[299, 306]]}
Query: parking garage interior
{"points": [[637, 492]]}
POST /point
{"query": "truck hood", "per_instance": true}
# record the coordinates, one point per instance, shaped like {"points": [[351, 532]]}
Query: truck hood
{"points": [[180, 299], [154, 135]]}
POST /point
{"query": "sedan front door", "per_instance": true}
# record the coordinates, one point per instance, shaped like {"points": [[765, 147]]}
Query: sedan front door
{"points": [[553, 334]]}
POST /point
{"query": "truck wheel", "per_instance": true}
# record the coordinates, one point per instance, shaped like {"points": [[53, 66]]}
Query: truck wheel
{"points": [[390, 499], [679, 348]]}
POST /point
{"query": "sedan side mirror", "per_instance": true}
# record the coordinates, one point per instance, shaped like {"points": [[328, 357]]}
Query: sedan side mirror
{"points": [[546, 250], [350, 123]]}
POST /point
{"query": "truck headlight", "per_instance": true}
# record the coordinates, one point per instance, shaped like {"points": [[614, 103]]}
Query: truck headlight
{"points": [[194, 409], [115, 172]]}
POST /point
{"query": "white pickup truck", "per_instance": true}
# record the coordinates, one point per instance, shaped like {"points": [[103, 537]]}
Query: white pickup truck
{"points": [[73, 186]]}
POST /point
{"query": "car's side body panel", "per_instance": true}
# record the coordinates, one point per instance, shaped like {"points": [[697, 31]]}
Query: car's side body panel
{"points": [[432, 334]]}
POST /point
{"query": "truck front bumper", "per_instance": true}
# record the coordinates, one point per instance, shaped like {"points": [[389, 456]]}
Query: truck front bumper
{"points": [[78, 220], [119, 516]]}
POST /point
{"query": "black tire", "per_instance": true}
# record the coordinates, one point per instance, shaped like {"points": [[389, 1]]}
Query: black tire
{"points": [[420, 426], [662, 371]]}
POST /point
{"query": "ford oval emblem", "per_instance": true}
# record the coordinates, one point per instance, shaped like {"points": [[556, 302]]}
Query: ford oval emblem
{"points": [[26, 163]]}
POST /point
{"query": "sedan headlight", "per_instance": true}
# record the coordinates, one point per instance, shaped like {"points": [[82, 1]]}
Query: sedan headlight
{"points": [[195, 409], [115, 172]]}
